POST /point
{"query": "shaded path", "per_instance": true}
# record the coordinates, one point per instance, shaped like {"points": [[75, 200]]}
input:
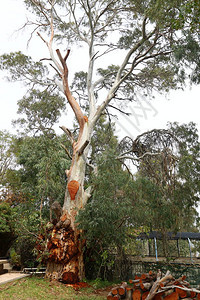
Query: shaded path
{"points": [[8, 277]]}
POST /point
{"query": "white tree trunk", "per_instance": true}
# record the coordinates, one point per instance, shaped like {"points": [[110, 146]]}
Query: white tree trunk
{"points": [[65, 247]]}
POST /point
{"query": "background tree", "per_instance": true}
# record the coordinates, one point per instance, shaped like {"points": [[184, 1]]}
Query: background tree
{"points": [[145, 36], [161, 196], [168, 177], [7, 159]]}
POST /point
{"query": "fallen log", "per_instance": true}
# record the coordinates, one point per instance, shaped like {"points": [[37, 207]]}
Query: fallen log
{"points": [[155, 287], [118, 292], [122, 290], [182, 288], [158, 296], [136, 294], [152, 286], [114, 291], [113, 297], [172, 296]]}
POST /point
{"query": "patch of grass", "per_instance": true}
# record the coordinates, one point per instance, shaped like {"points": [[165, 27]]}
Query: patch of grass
{"points": [[34, 288], [98, 283]]}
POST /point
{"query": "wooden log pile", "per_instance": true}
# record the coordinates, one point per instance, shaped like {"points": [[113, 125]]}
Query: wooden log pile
{"points": [[154, 286]]}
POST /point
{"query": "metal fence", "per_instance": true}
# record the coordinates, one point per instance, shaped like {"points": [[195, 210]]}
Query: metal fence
{"points": [[125, 270]]}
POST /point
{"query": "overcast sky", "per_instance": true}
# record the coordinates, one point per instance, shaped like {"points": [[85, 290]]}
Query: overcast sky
{"points": [[180, 106]]}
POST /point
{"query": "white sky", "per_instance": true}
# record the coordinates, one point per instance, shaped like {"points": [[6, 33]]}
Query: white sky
{"points": [[180, 106]]}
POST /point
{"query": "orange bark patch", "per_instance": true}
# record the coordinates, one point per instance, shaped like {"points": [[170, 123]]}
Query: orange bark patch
{"points": [[79, 285], [70, 277], [85, 118], [63, 217], [73, 187]]}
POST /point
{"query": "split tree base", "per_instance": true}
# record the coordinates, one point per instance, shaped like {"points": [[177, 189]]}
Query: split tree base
{"points": [[65, 259]]}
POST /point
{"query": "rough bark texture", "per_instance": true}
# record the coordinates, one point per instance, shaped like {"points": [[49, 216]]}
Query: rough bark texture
{"points": [[65, 262]]}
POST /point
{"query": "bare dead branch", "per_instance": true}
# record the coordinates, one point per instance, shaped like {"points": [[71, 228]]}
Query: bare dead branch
{"points": [[68, 133], [121, 111], [67, 54], [138, 158], [128, 169], [66, 150], [45, 59], [56, 70], [42, 38], [61, 59], [144, 28]]}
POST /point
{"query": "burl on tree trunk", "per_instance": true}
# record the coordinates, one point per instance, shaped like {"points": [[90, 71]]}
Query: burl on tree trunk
{"points": [[65, 260]]}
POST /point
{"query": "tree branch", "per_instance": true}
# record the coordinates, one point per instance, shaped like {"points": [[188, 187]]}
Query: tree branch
{"points": [[81, 150], [119, 79], [73, 103], [121, 111], [68, 133], [66, 150], [138, 158], [144, 28]]}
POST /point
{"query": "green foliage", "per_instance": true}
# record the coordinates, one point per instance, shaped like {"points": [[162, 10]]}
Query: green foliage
{"points": [[105, 218], [7, 159], [152, 200], [132, 22], [189, 163], [7, 217], [42, 110], [98, 283], [42, 165], [103, 140], [104, 213], [187, 53], [14, 258], [20, 65], [170, 187]]}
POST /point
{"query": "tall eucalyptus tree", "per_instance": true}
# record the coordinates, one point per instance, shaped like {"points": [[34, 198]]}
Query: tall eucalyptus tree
{"points": [[131, 46]]}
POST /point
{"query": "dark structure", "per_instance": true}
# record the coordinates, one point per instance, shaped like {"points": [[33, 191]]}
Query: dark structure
{"points": [[6, 240]]}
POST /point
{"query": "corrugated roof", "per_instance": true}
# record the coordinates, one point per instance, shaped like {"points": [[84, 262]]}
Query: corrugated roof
{"points": [[170, 235]]}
